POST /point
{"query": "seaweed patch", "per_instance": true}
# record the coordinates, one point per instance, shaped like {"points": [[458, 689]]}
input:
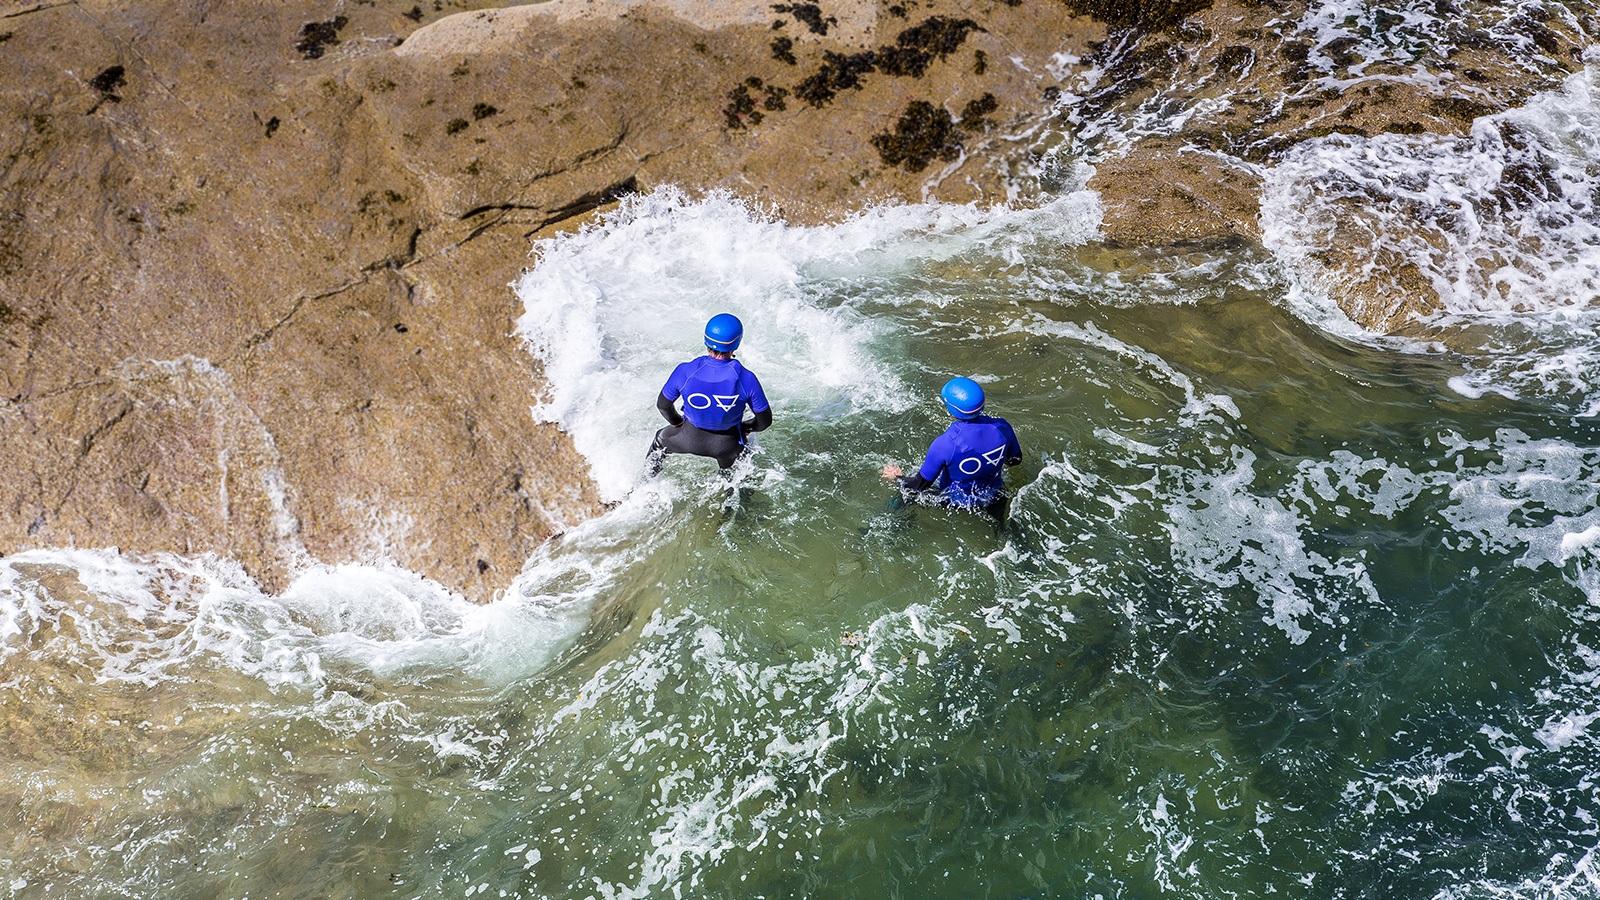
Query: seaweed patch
{"points": [[1236, 60], [808, 14], [105, 84], [316, 37], [913, 50], [741, 109], [108, 81], [975, 114], [783, 50], [918, 46], [838, 72], [1147, 15], [1458, 108], [923, 133]]}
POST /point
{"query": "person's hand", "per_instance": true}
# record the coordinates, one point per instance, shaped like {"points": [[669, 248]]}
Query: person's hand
{"points": [[891, 471]]}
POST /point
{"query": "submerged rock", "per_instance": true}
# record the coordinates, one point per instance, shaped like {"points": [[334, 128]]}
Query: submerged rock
{"points": [[1184, 119]]}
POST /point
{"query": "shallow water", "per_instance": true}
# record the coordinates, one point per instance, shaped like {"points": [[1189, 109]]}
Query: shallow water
{"points": [[1282, 607]]}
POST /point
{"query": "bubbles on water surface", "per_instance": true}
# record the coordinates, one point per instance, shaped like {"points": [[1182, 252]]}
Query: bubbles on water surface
{"points": [[1485, 244]]}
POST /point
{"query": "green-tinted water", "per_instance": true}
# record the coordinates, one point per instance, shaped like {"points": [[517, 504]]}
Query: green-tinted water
{"points": [[1276, 612]]}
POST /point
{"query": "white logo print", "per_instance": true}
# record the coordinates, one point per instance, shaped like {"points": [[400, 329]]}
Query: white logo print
{"points": [[702, 401], [992, 457]]}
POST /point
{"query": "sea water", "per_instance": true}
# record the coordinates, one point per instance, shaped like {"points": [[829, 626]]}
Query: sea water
{"points": [[1283, 606]]}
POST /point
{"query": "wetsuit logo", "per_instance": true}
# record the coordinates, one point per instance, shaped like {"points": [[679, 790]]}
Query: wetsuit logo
{"points": [[972, 465], [724, 402]]}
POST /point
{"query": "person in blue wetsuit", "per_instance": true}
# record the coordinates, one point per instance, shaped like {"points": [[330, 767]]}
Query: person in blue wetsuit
{"points": [[715, 389], [965, 464]]}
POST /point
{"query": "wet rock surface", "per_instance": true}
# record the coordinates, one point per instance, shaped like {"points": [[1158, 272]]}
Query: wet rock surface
{"points": [[254, 258], [1184, 115]]}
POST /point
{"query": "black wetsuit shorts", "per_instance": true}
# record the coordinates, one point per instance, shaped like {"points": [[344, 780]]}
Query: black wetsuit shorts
{"points": [[722, 446]]}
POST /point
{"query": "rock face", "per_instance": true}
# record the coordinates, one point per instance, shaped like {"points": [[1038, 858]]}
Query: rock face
{"points": [[233, 320], [254, 257]]}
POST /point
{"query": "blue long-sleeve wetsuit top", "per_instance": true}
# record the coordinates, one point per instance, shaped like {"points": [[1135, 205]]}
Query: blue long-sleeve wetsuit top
{"points": [[715, 392], [965, 462]]}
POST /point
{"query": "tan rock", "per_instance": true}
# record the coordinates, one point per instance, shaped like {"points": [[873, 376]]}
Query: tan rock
{"points": [[1178, 195], [1257, 86], [218, 335]]}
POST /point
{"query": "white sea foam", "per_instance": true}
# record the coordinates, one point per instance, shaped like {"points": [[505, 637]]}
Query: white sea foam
{"points": [[161, 617], [1535, 498], [1226, 535], [611, 309], [1350, 37], [115, 619], [1345, 478], [1502, 224]]}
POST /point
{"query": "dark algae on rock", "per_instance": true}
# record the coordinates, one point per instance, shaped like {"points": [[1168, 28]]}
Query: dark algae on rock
{"points": [[107, 82], [913, 50], [838, 72], [1149, 15], [923, 133], [741, 108], [316, 37], [808, 14], [918, 46], [783, 50]]}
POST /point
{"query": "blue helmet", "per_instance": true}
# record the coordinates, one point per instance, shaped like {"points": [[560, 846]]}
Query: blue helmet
{"points": [[962, 397], [724, 332]]}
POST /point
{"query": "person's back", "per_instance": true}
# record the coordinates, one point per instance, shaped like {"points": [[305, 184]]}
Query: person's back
{"points": [[715, 389], [966, 463]]}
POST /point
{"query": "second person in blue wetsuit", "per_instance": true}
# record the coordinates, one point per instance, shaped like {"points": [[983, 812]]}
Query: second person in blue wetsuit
{"points": [[966, 463], [715, 389]]}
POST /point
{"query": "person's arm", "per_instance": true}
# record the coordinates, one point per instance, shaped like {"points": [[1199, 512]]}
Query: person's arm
{"points": [[922, 479], [666, 401], [757, 398], [761, 422], [914, 483], [668, 410], [1013, 447]]}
